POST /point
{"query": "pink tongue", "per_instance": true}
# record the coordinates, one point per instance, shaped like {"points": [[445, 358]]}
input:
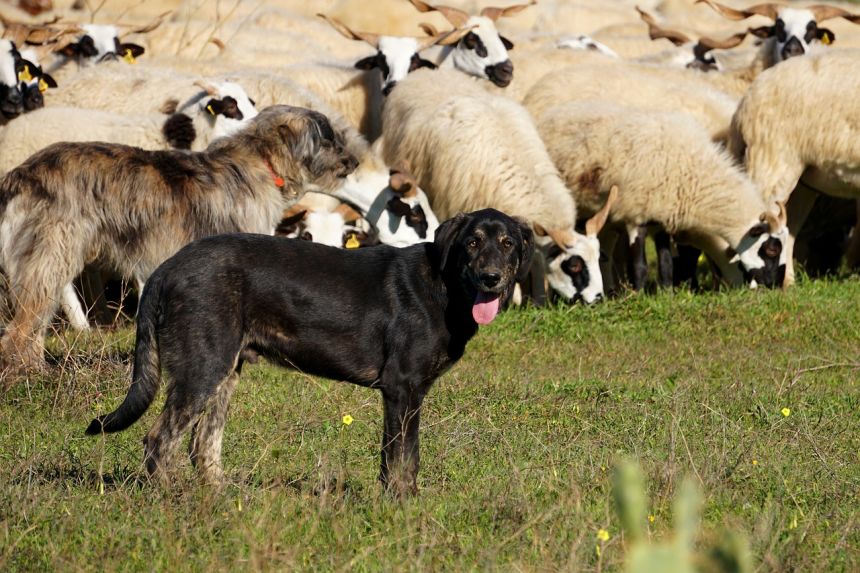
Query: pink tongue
{"points": [[486, 308]]}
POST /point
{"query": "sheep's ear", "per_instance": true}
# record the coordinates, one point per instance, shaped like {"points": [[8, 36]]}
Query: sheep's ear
{"points": [[135, 50], [506, 43], [825, 36], [215, 107], [368, 63], [763, 32], [49, 81]]}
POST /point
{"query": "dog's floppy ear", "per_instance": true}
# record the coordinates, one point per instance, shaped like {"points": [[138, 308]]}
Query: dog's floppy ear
{"points": [[527, 249], [447, 234]]}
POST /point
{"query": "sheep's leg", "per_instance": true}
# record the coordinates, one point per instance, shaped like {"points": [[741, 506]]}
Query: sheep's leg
{"points": [[73, 309], [685, 265], [663, 242], [852, 253], [799, 205], [637, 262]]}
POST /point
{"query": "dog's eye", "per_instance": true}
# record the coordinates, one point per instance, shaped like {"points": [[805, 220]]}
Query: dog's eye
{"points": [[472, 243], [508, 243]]}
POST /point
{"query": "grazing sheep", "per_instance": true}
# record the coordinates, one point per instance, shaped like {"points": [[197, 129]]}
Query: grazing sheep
{"points": [[215, 111], [792, 124], [11, 97], [669, 173], [324, 219], [131, 209], [469, 150]]}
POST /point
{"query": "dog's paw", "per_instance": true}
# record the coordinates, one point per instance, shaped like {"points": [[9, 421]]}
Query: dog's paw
{"points": [[179, 131]]}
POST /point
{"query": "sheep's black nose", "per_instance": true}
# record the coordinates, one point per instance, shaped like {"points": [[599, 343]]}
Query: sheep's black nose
{"points": [[15, 97], [490, 279], [792, 48], [500, 74]]}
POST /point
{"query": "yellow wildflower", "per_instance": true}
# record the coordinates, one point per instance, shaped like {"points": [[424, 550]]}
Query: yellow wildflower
{"points": [[603, 535], [755, 462], [347, 420], [651, 518], [786, 412]]}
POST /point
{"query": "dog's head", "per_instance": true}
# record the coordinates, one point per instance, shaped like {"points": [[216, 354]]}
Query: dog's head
{"points": [[485, 252], [302, 147]]}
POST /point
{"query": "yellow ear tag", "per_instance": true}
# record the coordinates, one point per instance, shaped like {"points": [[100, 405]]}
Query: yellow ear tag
{"points": [[352, 242], [43, 85], [825, 39], [129, 57], [210, 110], [25, 75]]}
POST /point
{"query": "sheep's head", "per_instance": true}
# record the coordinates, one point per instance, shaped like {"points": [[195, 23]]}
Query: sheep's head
{"points": [[11, 97], [482, 51], [343, 227], [573, 259], [395, 56], [409, 204], [34, 81], [696, 54], [227, 106], [761, 252], [99, 43], [794, 30]]}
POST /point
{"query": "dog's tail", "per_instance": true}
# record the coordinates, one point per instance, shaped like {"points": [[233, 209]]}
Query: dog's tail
{"points": [[146, 377]]}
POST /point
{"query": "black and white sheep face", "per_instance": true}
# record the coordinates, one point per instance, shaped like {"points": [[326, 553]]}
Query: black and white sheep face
{"points": [[100, 43], [395, 58], [230, 109], [762, 255], [575, 273], [11, 97], [327, 228], [484, 53], [794, 33]]}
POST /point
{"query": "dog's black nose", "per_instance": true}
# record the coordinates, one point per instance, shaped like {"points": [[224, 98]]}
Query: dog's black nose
{"points": [[490, 279]]}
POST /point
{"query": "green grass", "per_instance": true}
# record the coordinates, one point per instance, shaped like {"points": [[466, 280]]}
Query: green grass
{"points": [[518, 444]]}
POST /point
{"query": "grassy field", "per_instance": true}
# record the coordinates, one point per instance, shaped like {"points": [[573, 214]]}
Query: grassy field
{"points": [[754, 395]]}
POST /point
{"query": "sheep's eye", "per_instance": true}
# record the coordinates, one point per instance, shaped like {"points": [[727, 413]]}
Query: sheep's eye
{"points": [[306, 236]]}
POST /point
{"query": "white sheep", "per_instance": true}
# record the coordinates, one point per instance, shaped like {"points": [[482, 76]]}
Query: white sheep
{"points": [[669, 173], [214, 111], [390, 199], [469, 150], [799, 119]]}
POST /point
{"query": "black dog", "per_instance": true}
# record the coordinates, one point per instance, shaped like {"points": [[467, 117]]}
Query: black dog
{"points": [[222, 299]]}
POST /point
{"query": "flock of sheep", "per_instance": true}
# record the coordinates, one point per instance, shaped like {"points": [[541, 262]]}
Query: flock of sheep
{"points": [[718, 124]]}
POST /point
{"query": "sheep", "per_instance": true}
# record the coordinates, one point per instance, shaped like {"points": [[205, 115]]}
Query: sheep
{"points": [[213, 110], [390, 199], [482, 52], [689, 53], [323, 219], [669, 173], [795, 31], [792, 126], [637, 87], [471, 150]]}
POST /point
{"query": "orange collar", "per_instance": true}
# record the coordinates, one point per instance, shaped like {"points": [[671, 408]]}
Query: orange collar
{"points": [[277, 179]]}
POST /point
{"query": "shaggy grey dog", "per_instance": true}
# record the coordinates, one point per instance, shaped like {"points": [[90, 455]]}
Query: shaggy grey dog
{"points": [[131, 209]]}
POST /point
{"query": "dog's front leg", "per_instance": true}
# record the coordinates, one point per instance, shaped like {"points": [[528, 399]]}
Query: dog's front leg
{"points": [[400, 457]]}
